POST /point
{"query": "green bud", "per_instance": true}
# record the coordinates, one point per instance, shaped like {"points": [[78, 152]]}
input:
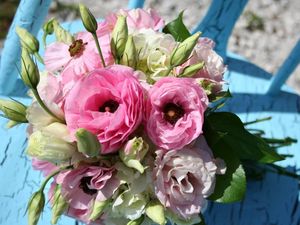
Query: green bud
{"points": [[28, 41], [134, 152], [29, 71], [98, 209], [11, 124], [87, 143], [48, 29], [182, 52], [191, 70], [130, 54], [61, 34], [156, 212], [35, 207], [137, 221], [59, 205], [14, 110], [119, 37], [49, 144], [88, 20]]}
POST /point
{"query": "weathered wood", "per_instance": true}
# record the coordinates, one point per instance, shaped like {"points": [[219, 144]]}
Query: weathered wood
{"points": [[285, 70], [273, 200], [132, 4], [219, 22]]}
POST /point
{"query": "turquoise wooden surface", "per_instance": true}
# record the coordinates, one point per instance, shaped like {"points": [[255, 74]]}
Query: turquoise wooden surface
{"points": [[273, 200]]}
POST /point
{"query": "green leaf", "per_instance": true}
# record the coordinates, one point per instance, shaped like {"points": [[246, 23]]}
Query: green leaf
{"points": [[177, 29], [202, 222], [226, 129], [231, 186]]}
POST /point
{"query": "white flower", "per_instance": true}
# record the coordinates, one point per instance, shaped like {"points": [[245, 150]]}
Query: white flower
{"points": [[154, 52], [52, 144]]}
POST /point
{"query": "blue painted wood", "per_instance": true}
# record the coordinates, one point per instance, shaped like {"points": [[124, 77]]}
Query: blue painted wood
{"points": [[133, 4], [219, 22], [273, 200], [285, 70], [30, 15]]}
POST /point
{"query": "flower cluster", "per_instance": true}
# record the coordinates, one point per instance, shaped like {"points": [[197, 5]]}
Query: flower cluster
{"points": [[119, 120]]}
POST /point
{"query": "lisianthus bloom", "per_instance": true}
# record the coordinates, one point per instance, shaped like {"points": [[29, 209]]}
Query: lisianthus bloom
{"points": [[184, 178], [44, 166], [80, 57], [155, 50], [214, 67], [109, 103], [175, 112], [84, 185], [137, 19]]}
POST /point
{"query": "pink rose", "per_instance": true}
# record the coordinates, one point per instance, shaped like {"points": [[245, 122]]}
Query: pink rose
{"points": [[138, 19], [84, 185], [214, 67], [183, 179], [175, 112], [109, 103]]}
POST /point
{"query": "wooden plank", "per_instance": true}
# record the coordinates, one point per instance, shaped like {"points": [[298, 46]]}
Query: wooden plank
{"points": [[219, 22], [133, 4], [285, 70]]}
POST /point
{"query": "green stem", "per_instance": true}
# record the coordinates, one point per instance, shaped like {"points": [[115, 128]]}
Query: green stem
{"points": [[99, 49], [257, 120], [42, 104], [54, 173], [287, 140], [282, 171], [39, 58]]}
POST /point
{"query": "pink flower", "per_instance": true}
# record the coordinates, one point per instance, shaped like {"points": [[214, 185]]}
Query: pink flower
{"points": [[175, 112], [214, 67], [109, 103], [80, 57], [138, 19], [84, 185], [45, 167], [183, 179]]}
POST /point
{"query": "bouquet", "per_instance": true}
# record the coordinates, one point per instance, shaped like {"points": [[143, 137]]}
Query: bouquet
{"points": [[124, 121]]}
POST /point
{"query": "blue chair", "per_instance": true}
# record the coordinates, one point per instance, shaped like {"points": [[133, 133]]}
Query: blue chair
{"points": [[256, 94]]}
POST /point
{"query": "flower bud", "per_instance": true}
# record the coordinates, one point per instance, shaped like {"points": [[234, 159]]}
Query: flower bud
{"points": [[51, 144], [87, 143], [59, 205], [13, 110], [28, 41], [130, 55], [48, 29], [137, 221], [29, 71], [61, 34], [119, 37], [191, 70], [98, 209], [155, 211], [182, 52], [133, 152], [35, 207], [88, 20]]}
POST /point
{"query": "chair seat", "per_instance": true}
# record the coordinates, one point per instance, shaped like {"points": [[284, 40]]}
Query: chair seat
{"points": [[273, 200]]}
